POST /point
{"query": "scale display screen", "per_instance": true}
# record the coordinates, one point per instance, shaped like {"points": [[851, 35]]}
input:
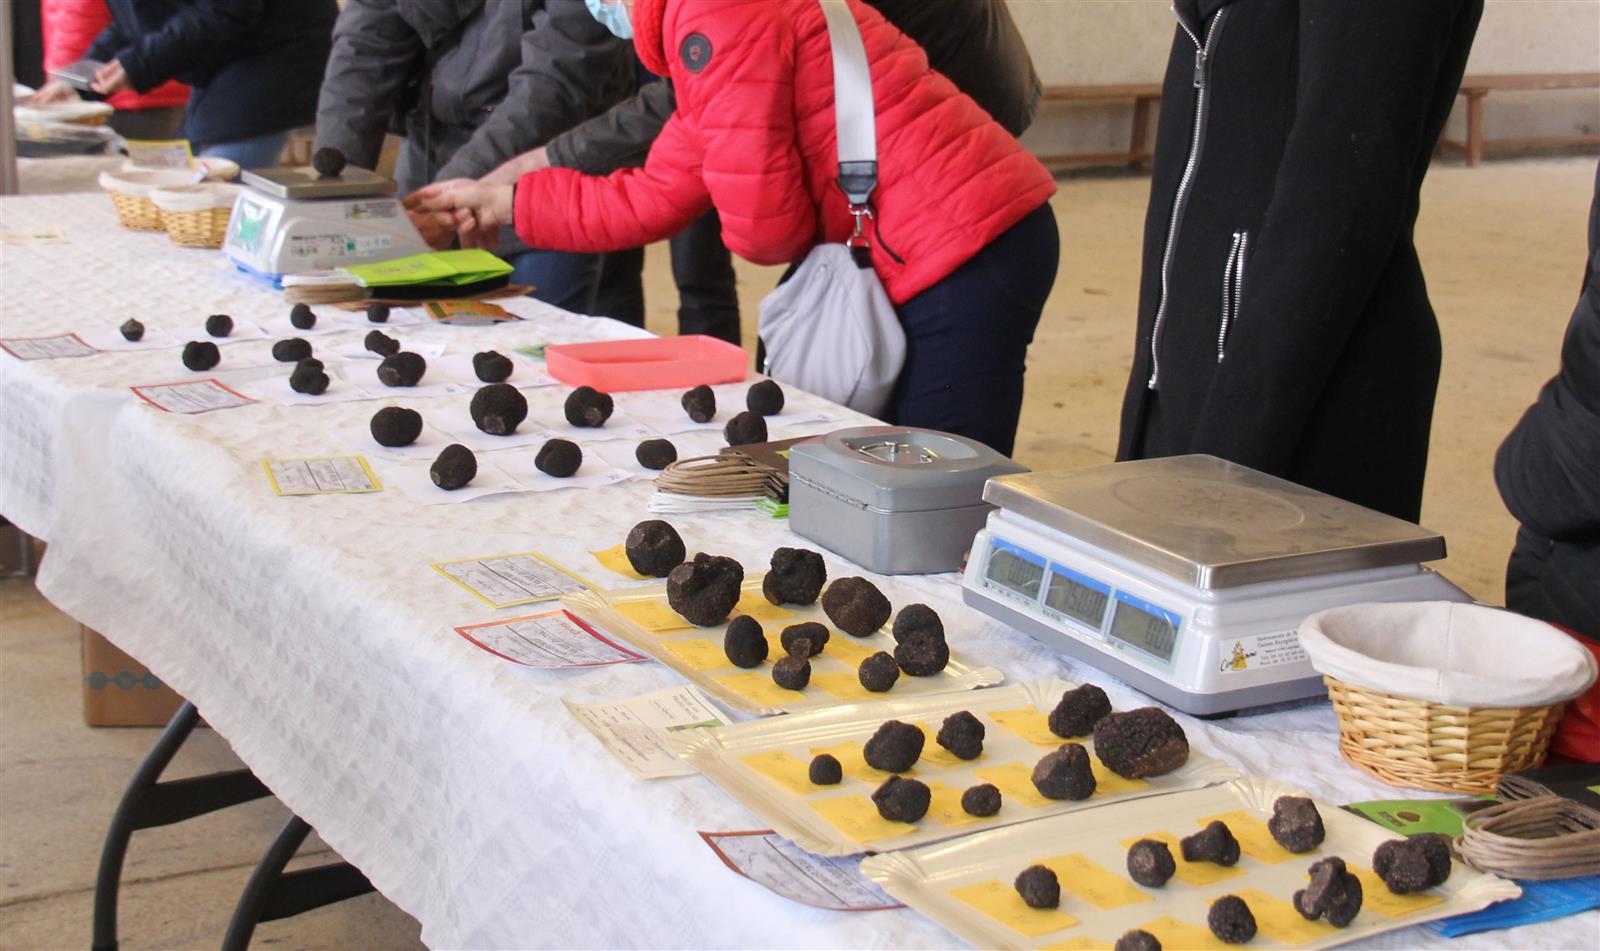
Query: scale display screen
{"points": [[1016, 570], [1145, 627], [1077, 597]]}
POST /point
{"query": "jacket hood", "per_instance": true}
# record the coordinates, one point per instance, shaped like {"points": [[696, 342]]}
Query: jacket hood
{"points": [[649, 34]]}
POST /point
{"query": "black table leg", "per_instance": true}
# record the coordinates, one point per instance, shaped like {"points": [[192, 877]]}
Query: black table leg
{"points": [[272, 894]]}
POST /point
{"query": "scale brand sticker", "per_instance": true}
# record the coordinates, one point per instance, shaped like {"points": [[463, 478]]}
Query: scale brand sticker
{"points": [[335, 245], [1262, 650], [362, 210]]}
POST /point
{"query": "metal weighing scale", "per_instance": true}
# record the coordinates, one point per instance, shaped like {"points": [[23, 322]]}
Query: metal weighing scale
{"points": [[292, 220], [1188, 577]]}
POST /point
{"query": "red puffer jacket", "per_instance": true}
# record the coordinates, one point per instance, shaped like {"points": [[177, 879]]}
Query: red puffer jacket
{"points": [[69, 27], [754, 135]]}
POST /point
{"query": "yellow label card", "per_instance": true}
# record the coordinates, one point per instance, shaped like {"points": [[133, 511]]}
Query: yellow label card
{"points": [[1278, 920], [616, 559], [785, 769], [324, 475], [698, 653], [1107, 783], [1000, 901], [1173, 933], [1093, 882], [653, 616], [846, 686], [1190, 873], [1375, 896], [757, 687], [933, 753], [846, 649], [858, 818], [758, 607], [1028, 723], [854, 764], [1015, 782], [945, 806], [1254, 838], [1080, 943]]}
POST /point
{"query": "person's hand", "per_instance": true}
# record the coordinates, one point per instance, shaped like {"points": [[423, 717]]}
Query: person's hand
{"points": [[514, 168], [110, 78], [479, 210], [53, 91], [437, 231]]}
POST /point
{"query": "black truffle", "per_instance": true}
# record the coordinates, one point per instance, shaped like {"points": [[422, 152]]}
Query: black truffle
{"points": [[292, 350], [132, 331], [654, 548], [498, 409], [700, 403], [301, 317], [402, 369], [1039, 887], [454, 468], [962, 734], [895, 747], [219, 325], [765, 397], [309, 377], [878, 672], [922, 656], [1295, 824], [1215, 843], [588, 407], [814, 634], [1229, 918], [981, 800], [378, 312], [396, 426], [1334, 893], [328, 161], [825, 770], [796, 576], [656, 453], [1436, 848], [559, 458], [744, 429], [1065, 774], [1414, 864], [902, 800], [1079, 710], [745, 643], [201, 355], [381, 343], [491, 366], [917, 620], [792, 672], [706, 589], [1150, 862], [1137, 940], [855, 606], [1140, 743]]}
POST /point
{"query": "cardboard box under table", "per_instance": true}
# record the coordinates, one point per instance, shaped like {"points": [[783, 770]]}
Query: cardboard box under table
{"points": [[120, 691]]}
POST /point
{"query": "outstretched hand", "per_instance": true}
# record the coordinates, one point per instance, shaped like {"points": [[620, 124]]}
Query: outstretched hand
{"points": [[476, 210]]}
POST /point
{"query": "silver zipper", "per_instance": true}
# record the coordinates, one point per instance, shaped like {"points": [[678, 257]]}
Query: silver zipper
{"points": [[1232, 288], [1196, 140]]}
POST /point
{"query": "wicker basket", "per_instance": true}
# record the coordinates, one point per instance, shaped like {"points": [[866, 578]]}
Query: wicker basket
{"points": [[196, 216], [130, 195]]}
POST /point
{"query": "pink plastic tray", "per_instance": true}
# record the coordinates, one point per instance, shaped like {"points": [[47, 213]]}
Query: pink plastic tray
{"points": [[655, 364]]}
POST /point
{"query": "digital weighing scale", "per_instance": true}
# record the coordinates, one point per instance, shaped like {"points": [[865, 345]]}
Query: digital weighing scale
{"points": [[292, 220], [1188, 577]]}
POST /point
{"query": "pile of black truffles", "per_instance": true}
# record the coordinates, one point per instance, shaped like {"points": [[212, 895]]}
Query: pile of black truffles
{"points": [[902, 800], [656, 453], [982, 800], [878, 673], [378, 312], [396, 426], [920, 649], [895, 747], [813, 634], [1038, 887], [1137, 940], [654, 548], [1140, 743], [559, 458], [764, 398], [1414, 864], [1231, 920], [1150, 863], [793, 671], [855, 606], [1334, 894], [744, 642], [745, 429], [1215, 843], [381, 343], [309, 377], [301, 317], [1079, 710], [292, 350], [402, 369], [201, 355], [706, 589], [588, 407], [700, 403], [825, 770], [1296, 824], [131, 330], [491, 366], [1065, 774], [498, 409], [796, 576], [454, 468], [328, 162], [962, 734], [219, 325]]}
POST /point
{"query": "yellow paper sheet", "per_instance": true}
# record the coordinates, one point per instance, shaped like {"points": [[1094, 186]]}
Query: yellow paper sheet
{"points": [[1000, 901], [1278, 920], [697, 653], [846, 685], [1375, 896], [1030, 724], [1190, 873], [1107, 783], [933, 753], [858, 818], [616, 559], [1080, 943], [945, 806], [757, 687], [654, 616], [1094, 883], [1254, 838], [784, 769], [758, 607], [847, 649], [854, 764], [1173, 933], [1015, 782]]}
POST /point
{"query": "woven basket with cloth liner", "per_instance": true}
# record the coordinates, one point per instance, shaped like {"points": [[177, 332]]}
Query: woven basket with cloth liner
{"points": [[130, 189], [196, 216]]}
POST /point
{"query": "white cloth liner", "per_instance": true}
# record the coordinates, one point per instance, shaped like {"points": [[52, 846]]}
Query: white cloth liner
{"points": [[141, 182], [1464, 655], [198, 197]]}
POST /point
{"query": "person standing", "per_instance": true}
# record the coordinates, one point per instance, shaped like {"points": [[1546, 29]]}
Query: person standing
{"points": [[1283, 319]]}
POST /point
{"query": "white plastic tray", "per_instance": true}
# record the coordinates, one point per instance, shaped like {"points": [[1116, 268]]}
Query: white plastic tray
{"points": [[926, 878], [725, 755]]}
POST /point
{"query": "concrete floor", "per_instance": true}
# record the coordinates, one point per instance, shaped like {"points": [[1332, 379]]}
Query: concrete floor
{"points": [[1503, 248]]}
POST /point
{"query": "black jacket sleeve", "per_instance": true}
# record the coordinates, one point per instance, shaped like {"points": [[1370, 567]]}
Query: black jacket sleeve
{"points": [[374, 55], [105, 46], [618, 138], [201, 36]]}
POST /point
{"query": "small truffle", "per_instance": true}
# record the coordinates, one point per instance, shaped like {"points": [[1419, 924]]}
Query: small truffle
{"points": [[201, 355], [902, 800], [132, 331], [1079, 710], [700, 403], [1334, 893], [301, 317], [292, 350], [378, 312], [381, 343], [654, 548], [402, 369], [1140, 743], [922, 656], [825, 770], [328, 162], [454, 468], [981, 800], [706, 589], [1065, 774], [1229, 918], [656, 453], [878, 672], [396, 426], [796, 576], [765, 397], [917, 620], [962, 734], [814, 634], [1295, 824], [491, 366], [1039, 887], [1412, 865], [1215, 843], [745, 643], [855, 606], [558, 457], [498, 409], [219, 325], [588, 407], [1150, 862], [792, 672], [744, 429], [1137, 940], [309, 377], [895, 747]]}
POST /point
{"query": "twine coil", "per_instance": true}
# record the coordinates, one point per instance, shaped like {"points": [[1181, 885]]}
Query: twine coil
{"points": [[726, 474], [1550, 837]]}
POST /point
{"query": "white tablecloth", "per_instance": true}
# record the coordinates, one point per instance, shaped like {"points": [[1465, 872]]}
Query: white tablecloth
{"points": [[314, 636]]}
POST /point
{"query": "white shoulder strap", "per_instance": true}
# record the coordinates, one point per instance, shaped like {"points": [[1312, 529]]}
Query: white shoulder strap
{"points": [[852, 104]]}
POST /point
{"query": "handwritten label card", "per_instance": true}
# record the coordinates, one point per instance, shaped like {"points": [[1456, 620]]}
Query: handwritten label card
{"points": [[328, 475], [200, 396], [554, 640], [503, 581]]}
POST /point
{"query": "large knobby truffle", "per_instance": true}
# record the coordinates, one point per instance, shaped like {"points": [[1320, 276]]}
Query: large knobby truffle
{"points": [[378, 312], [328, 162], [878, 673], [1231, 920], [381, 343], [765, 397], [402, 369], [700, 403], [744, 642], [1038, 887], [396, 426], [1137, 940], [922, 656], [292, 350], [982, 800], [654, 548], [219, 325], [498, 409], [1215, 843], [825, 770], [588, 407], [796, 576], [491, 366], [1334, 893], [201, 355], [917, 620], [962, 734], [895, 747], [131, 330], [455, 467], [656, 453], [1065, 774], [301, 317], [560, 458], [1140, 743], [1079, 710], [744, 429], [706, 589], [1414, 864], [815, 635], [1296, 824], [309, 377], [902, 800], [1150, 863], [855, 606]]}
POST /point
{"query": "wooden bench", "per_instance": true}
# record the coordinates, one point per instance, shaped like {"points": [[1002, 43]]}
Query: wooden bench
{"points": [[1142, 95], [1478, 88]]}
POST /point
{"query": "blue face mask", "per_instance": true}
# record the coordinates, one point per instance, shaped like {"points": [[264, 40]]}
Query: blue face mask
{"points": [[613, 16]]}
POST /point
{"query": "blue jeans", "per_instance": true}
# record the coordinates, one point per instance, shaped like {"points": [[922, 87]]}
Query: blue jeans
{"points": [[261, 151], [559, 278]]}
